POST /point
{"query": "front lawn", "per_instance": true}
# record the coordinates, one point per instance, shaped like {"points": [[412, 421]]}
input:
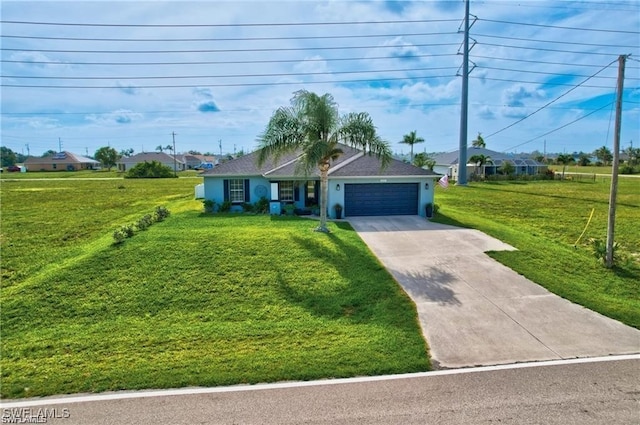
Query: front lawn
{"points": [[544, 220], [196, 300]]}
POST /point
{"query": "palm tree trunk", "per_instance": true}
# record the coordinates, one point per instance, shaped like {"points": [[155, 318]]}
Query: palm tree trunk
{"points": [[324, 194]]}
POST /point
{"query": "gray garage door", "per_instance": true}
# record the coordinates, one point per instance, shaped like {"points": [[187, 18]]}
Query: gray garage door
{"points": [[381, 199]]}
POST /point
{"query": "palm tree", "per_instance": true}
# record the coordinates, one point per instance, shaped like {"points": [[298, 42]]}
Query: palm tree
{"points": [[411, 139], [479, 142], [480, 160], [312, 125], [423, 160], [564, 159]]}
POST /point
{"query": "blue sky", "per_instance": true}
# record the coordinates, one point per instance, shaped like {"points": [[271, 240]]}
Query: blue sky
{"points": [[213, 71]]}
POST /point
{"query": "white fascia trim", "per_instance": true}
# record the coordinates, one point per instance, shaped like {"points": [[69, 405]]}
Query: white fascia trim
{"points": [[348, 161], [283, 165], [385, 177]]}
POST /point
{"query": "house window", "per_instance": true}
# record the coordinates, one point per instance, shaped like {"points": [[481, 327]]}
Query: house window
{"points": [[54, 166], [286, 191], [311, 193], [236, 190]]}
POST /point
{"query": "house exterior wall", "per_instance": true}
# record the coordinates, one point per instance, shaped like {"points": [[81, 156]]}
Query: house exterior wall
{"points": [[58, 166], [335, 196], [214, 189]]}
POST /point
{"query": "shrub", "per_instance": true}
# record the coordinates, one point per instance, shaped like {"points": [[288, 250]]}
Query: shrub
{"points": [[144, 222], [628, 169], [247, 207], [118, 236], [128, 230], [600, 250], [262, 206], [224, 207], [152, 169], [161, 213], [209, 205]]}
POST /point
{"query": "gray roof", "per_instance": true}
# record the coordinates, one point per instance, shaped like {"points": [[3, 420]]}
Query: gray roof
{"points": [[451, 158], [148, 157], [369, 165], [352, 163], [64, 156]]}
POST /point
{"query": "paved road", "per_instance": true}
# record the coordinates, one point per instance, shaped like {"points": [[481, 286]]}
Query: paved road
{"points": [[605, 392], [475, 311]]}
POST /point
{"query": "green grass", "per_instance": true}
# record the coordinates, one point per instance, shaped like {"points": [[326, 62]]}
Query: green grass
{"points": [[544, 220], [589, 169], [196, 300]]}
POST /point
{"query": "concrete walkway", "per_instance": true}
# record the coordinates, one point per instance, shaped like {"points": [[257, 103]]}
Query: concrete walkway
{"points": [[475, 311]]}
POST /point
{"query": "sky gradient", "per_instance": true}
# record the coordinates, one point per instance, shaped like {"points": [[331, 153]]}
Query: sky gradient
{"points": [[129, 74]]}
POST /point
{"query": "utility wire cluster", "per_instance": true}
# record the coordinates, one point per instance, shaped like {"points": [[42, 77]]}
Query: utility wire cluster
{"points": [[87, 59]]}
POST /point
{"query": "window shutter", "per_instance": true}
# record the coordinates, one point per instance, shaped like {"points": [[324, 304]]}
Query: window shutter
{"points": [[227, 194], [296, 192], [247, 191], [316, 191]]}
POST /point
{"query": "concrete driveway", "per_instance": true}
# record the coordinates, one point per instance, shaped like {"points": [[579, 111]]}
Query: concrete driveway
{"points": [[475, 311]]}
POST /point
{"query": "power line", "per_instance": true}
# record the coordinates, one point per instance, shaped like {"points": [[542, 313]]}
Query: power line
{"points": [[278, 83], [228, 62], [541, 83], [554, 41], [548, 50], [536, 61], [549, 73], [267, 49], [278, 74], [559, 27], [560, 128], [272, 24], [549, 103], [310, 37]]}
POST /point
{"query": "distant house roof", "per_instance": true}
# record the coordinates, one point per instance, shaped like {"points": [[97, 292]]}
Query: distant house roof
{"points": [[60, 157], [148, 157], [451, 158], [353, 163]]}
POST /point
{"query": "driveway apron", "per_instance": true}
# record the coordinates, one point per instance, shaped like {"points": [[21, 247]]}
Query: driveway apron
{"points": [[473, 310]]}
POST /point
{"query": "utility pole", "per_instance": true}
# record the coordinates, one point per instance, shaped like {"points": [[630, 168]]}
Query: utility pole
{"points": [[28, 152], [175, 166], [462, 156], [220, 145], [59, 145], [616, 158]]}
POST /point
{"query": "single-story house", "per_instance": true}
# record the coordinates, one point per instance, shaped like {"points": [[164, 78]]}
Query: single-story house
{"points": [[356, 182], [127, 162], [61, 161], [447, 163]]}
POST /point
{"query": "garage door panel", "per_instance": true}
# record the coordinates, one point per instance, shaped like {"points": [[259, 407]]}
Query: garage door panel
{"points": [[381, 199]]}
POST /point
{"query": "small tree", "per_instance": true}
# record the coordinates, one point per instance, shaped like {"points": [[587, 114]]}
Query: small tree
{"points": [[479, 142], [107, 156], [507, 168], [126, 152], [583, 159], [8, 156], [564, 159], [480, 160], [423, 160], [152, 169], [604, 155], [411, 139]]}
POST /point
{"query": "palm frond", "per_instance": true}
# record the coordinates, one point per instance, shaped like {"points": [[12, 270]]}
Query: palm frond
{"points": [[284, 134]]}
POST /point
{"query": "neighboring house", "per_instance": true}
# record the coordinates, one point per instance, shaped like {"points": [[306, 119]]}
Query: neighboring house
{"points": [[355, 181], [61, 161], [206, 162], [127, 162], [447, 163], [190, 161]]}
